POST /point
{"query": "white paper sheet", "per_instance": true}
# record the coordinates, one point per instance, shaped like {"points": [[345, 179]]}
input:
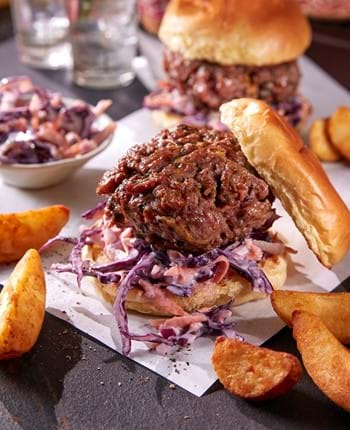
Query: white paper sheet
{"points": [[256, 321]]}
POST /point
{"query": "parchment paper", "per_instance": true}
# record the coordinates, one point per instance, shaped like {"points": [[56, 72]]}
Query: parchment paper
{"points": [[256, 321]]}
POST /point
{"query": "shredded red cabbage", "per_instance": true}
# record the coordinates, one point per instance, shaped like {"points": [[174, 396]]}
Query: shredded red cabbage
{"points": [[38, 127], [78, 119], [133, 261], [95, 212], [291, 109], [219, 320], [25, 150], [16, 113], [247, 268], [122, 264], [170, 99], [57, 239], [140, 271], [182, 331], [87, 270]]}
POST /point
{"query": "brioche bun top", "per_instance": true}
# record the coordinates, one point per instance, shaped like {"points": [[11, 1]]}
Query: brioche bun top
{"points": [[295, 175], [252, 32]]}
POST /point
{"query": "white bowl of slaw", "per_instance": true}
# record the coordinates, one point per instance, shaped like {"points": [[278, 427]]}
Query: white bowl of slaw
{"points": [[43, 175], [36, 176]]}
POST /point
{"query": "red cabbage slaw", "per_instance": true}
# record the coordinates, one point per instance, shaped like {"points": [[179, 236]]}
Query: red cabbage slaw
{"points": [[169, 99], [37, 126], [161, 274]]}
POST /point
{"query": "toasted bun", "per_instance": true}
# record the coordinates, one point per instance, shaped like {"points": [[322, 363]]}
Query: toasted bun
{"points": [[166, 119], [232, 286], [252, 32], [295, 175]]}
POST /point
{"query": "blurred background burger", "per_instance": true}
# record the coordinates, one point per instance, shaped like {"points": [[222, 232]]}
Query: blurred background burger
{"points": [[326, 9], [217, 50]]}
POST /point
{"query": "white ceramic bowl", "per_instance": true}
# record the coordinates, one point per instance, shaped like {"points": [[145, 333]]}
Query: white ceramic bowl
{"points": [[35, 176]]}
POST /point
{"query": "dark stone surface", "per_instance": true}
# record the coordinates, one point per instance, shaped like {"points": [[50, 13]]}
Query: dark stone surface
{"points": [[70, 381]]}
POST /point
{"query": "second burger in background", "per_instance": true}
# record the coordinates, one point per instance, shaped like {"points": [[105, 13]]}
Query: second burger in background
{"points": [[218, 50]]}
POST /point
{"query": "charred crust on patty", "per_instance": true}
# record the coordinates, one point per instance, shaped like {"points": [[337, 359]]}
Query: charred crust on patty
{"points": [[188, 189]]}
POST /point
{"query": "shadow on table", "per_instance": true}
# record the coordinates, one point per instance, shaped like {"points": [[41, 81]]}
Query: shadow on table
{"points": [[34, 382], [344, 286], [298, 408], [305, 406]]}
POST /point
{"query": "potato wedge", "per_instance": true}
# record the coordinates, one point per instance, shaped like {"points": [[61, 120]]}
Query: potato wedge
{"points": [[252, 372], [30, 229], [320, 143], [339, 130], [332, 308], [22, 307], [326, 360]]}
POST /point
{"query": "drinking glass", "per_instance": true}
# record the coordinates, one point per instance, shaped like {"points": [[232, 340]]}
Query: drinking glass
{"points": [[42, 29], [103, 36]]}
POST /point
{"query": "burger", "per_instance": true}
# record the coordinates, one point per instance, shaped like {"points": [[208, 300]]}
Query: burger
{"points": [[218, 50], [185, 230], [150, 13]]}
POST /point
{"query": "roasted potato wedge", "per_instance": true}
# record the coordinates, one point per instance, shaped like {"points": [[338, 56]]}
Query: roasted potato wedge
{"points": [[22, 307], [332, 308], [320, 143], [339, 130], [326, 360], [30, 229], [252, 372]]}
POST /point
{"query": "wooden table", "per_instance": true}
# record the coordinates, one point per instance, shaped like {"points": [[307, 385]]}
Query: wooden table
{"points": [[70, 381]]}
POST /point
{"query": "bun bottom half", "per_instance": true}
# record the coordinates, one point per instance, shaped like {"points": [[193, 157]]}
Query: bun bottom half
{"points": [[166, 119], [209, 294]]}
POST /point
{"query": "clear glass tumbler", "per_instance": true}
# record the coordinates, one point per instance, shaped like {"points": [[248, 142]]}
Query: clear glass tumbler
{"points": [[42, 29], [103, 38]]}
